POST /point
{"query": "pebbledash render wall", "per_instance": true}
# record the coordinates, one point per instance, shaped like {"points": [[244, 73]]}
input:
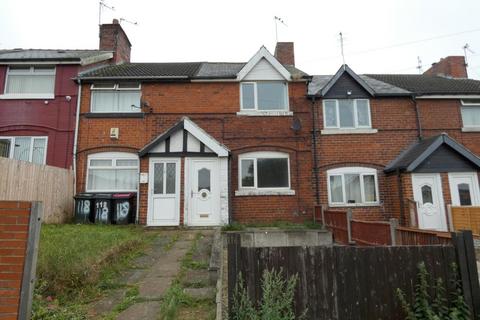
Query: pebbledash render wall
{"points": [[213, 107], [395, 120]]}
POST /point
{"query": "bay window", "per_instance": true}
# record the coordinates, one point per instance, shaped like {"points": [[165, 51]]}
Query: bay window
{"points": [[471, 113], [352, 186], [264, 96], [115, 97], [264, 170], [112, 171], [30, 81], [31, 149], [346, 113]]}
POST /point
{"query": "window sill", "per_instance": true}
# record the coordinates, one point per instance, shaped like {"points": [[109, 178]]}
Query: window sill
{"points": [[354, 205], [114, 115], [11, 96], [265, 113], [257, 192], [348, 131], [471, 129]]}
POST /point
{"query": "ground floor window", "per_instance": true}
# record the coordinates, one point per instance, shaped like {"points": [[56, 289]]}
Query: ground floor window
{"points": [[264, 170], [112, 171], [31, 149], [352, 186]]}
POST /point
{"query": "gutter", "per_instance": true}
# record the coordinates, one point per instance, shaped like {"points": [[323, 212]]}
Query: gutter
{"points": [[75, 138]]}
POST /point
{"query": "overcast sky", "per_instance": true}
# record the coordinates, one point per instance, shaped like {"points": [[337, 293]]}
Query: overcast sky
{"points": [[375, 31]]}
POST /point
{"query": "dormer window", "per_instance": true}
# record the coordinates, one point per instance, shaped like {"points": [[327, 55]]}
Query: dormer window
{"points": [[121, 97], [264, 96], [346, 114]]}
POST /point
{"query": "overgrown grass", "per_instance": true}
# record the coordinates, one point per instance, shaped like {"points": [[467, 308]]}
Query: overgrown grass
{"points": [[77, 262], [235, 226]]}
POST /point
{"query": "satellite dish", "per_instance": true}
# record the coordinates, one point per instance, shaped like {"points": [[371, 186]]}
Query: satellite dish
{"points": [[296, 125]]}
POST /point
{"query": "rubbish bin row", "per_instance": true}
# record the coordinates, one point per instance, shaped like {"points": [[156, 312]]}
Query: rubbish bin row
{"points": [[105, 208]]}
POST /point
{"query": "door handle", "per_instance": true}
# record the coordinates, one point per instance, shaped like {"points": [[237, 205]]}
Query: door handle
{"points": [[191, 193]]}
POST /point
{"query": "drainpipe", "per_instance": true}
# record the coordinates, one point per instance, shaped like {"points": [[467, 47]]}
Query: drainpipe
{"points": [[315, 158], [400, 197], [75, 138], [419, 123]]}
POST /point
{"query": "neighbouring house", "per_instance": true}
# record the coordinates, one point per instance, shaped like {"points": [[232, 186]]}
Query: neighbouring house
{"points": [[200, 143], [38, 97], [394, 145]]}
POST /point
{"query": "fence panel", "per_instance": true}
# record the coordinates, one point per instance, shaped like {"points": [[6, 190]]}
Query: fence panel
{"points": [[413, 236], [466, 218], [25, 181], [336, 221], [371, 233]]}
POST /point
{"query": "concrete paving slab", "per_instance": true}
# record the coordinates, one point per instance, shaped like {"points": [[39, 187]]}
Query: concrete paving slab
{"points": [[141, 311]]}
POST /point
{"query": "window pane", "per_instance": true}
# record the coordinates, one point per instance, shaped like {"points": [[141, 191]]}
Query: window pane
{"points": [[369, 188], [330, 113], [5, 148], [129, 85], [336, 193], [345, 108], [126, 179], [22, 149], [271, 96], [363, 114], [38, 153], [471, 116], [352, 188], [127, 162], [158, 178], [101, 179], [18, 69], [127, 99], [248, 96], [171, 173], [100, 163], [204, 179], [104, 85], [427, 195], [272, 173], [464, 194], [104, 101], [247, 173], [30, 83]]}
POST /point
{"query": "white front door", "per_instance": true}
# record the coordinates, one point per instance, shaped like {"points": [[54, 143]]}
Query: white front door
{"points": [[427, 192], [203, 192], [164, 192], [464, 188]]}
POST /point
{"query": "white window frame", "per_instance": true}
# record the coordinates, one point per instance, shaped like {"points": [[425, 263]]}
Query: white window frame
{"points": [[115, 88], [362, 171], [255, 98], [261, 154], [355, 115], [114, 156], [32, 73], [465, 103], [30, 154]]}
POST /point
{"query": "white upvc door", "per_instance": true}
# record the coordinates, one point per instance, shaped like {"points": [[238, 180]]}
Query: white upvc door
{"points": [[202, 192], [164, 192], [464, 188], [427, 192]]}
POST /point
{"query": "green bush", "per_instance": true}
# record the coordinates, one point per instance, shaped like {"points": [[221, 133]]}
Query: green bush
{"points": [[438, 306]]}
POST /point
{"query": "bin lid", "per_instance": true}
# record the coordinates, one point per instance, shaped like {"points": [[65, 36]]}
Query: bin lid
{"points": [[84, 195], [103, 196], [125, 195]]}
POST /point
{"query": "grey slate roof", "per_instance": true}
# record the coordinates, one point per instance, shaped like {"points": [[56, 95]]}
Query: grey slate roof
{"points": [[174, 70], [425, 84], [417, 152], [18, 55]]}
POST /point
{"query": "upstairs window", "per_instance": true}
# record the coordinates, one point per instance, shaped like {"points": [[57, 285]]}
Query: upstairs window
{"points": [[31, 149], [264, 170], [115, 97], [30, 80], [346, 114], [264, 96], [471, 113], [352, 186]]}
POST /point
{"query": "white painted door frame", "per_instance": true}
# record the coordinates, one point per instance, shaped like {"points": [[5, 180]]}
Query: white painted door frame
{"points": [[190, 216], [430, 215], [154, 216], [471, 178]]}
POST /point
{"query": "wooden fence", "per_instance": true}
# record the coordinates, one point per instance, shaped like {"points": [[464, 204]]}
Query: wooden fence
{"points": [[345, 282], [466, 218], [25, 181]]}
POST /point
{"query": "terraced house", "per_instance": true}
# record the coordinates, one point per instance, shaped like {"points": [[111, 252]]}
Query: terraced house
{"points": [[199, 142]]}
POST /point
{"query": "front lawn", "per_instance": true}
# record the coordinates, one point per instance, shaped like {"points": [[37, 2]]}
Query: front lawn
{"points": [[77, 262]]}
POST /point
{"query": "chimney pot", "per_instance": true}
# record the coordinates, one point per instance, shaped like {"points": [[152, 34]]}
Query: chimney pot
{"points": [[115, 21]]}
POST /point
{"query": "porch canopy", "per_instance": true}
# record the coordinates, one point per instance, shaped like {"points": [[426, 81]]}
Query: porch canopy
{"points": [[440, 153], [185, 138]]}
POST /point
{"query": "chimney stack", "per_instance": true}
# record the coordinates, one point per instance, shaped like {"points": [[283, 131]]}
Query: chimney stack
{"points": [[113, 38], [449, 67], [285, 53]]}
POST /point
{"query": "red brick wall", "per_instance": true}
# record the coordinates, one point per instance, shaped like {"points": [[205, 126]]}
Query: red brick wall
{"points": [[113, 38], [14, 221], [213, 106], [452, 66]]}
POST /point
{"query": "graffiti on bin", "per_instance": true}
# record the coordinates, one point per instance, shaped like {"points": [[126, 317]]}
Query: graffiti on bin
{"points": [[102, 210], [122, 209], [83, 207]]}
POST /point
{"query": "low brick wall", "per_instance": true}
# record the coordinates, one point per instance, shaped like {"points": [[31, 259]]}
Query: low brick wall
{"points": [[14, 235]]}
